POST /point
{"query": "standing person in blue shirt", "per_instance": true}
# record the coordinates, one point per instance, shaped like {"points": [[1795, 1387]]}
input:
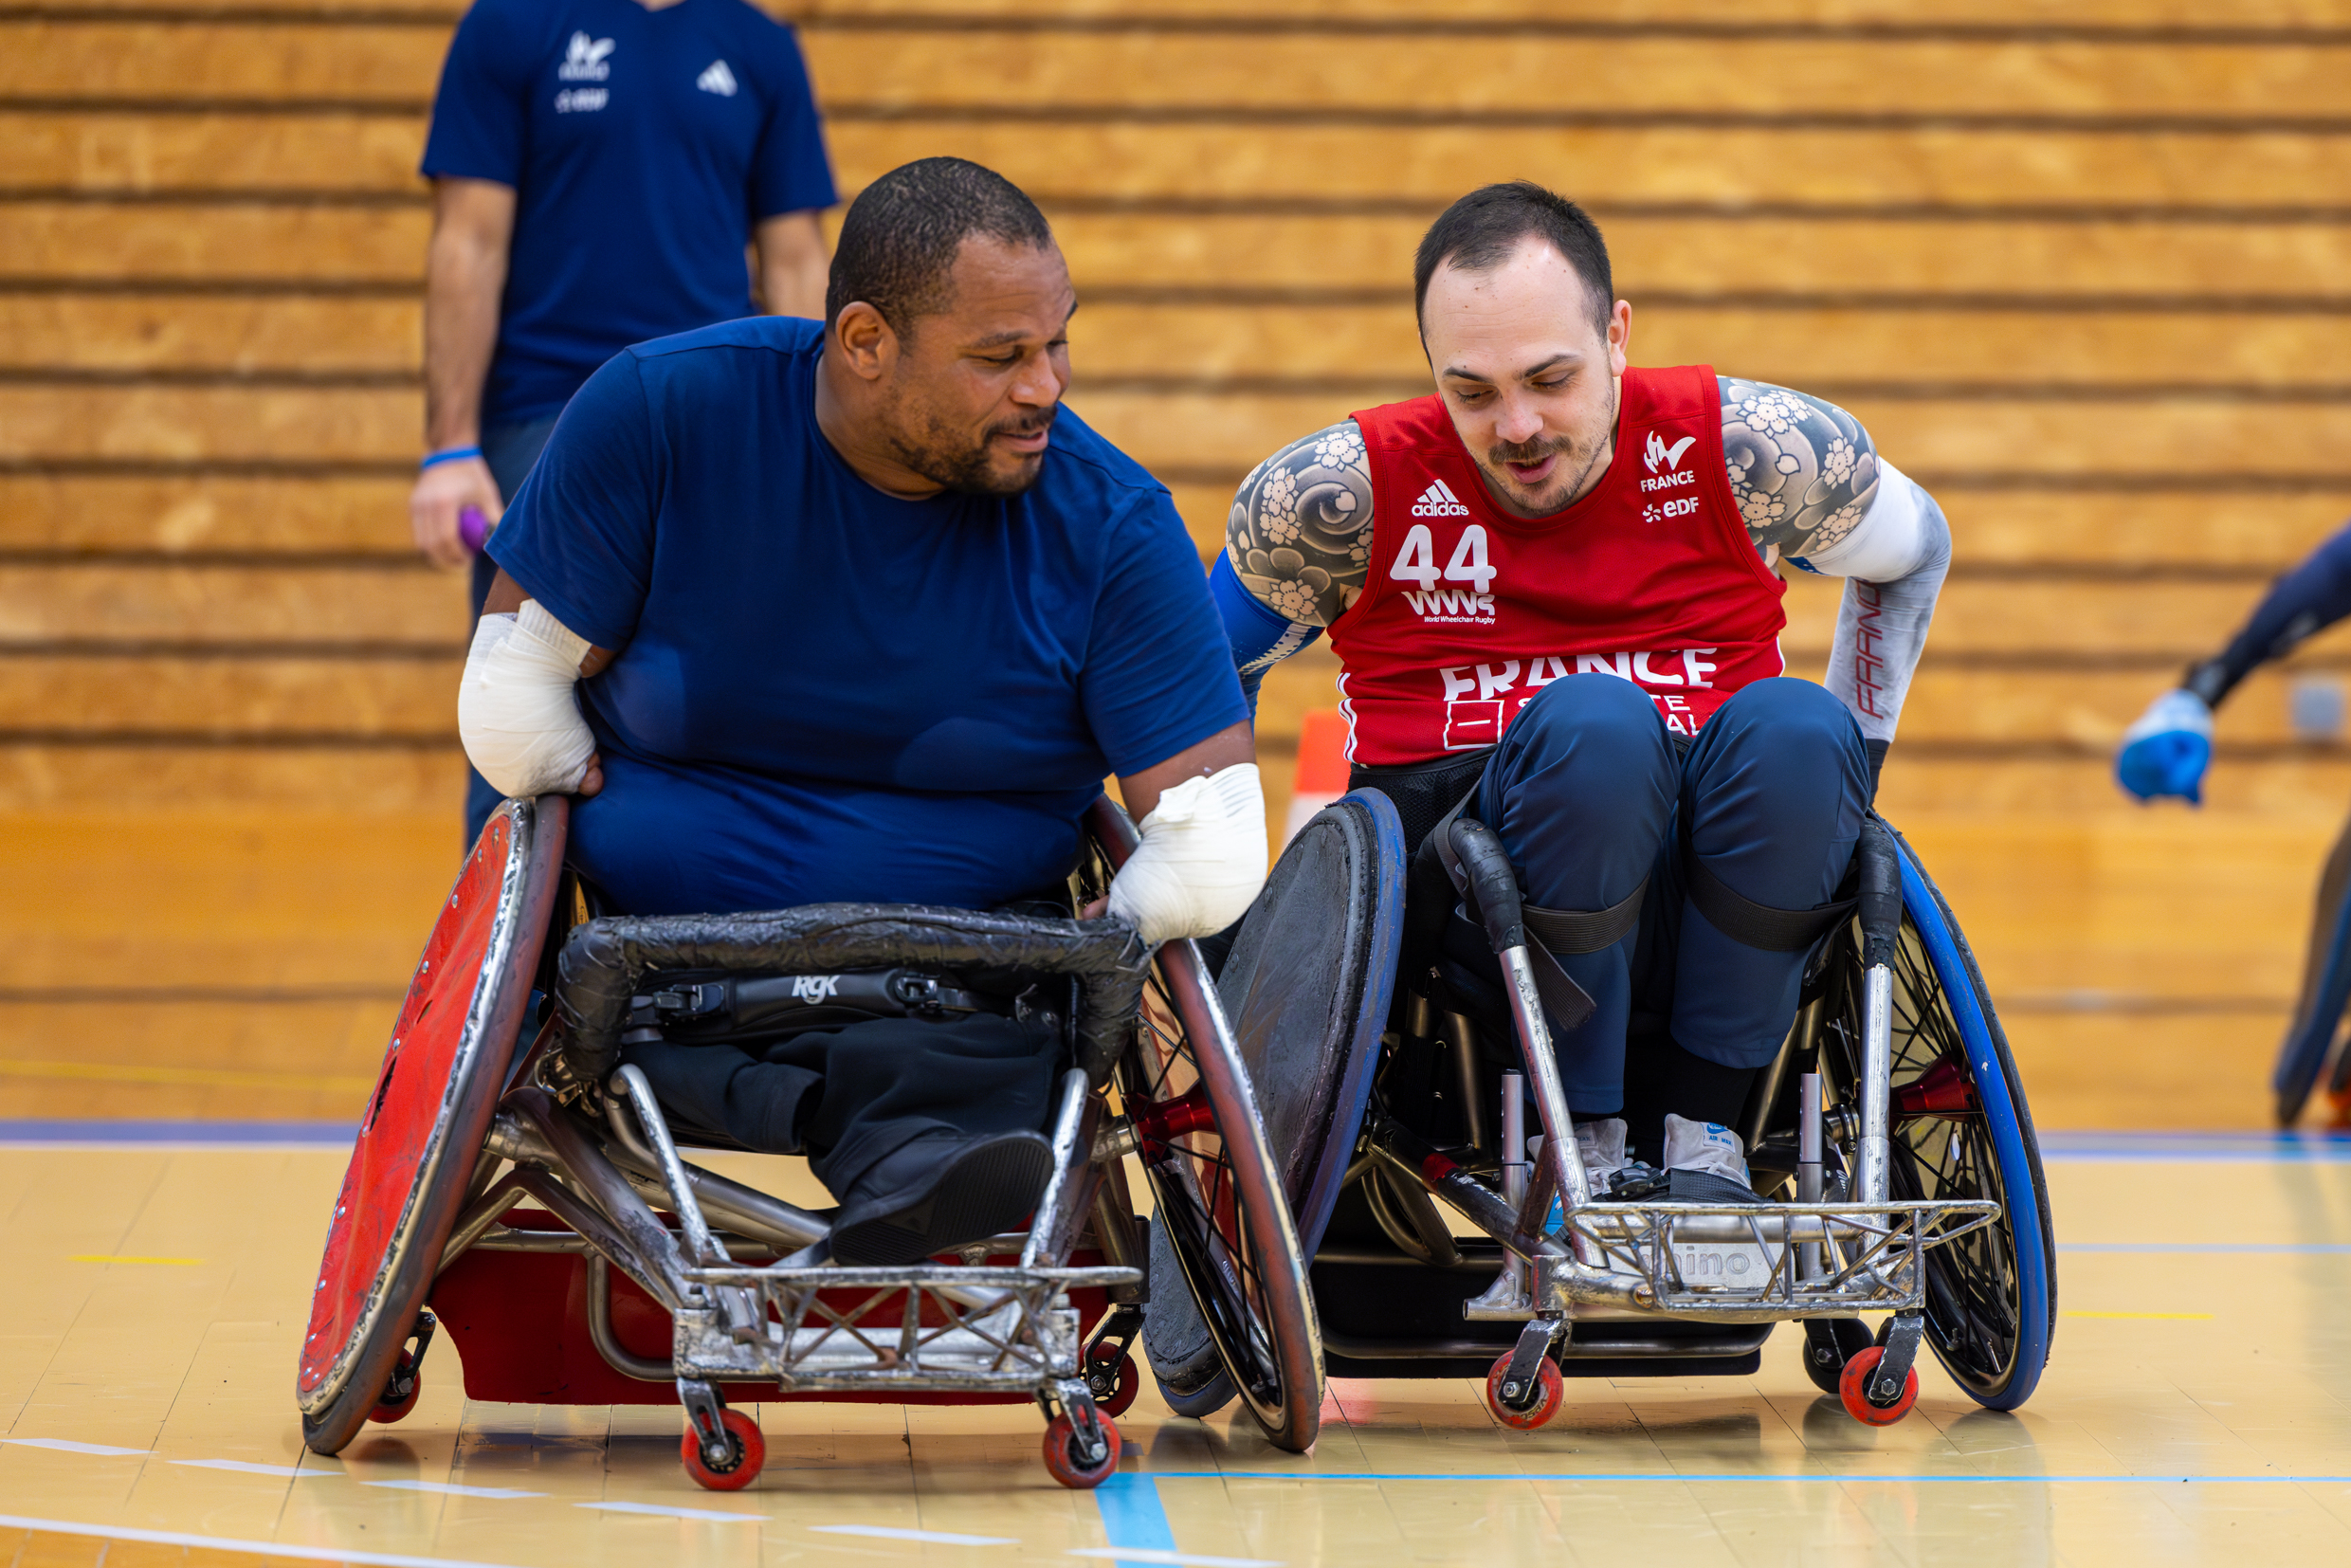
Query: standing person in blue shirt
{"points": [[857, 611], [598, 167]]}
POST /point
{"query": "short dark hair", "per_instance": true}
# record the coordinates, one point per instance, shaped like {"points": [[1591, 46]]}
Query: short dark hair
{"points": [[1480, 231], [899, 239]]}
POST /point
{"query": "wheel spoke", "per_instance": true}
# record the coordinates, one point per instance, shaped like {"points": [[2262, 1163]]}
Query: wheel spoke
{"points": [[1974, 1313]]}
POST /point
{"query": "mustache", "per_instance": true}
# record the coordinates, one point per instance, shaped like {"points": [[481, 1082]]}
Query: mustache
{"points": [[1525, 451], [1028, 425]]}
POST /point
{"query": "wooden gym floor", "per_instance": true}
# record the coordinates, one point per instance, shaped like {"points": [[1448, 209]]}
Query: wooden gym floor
{"points": [[2198, 1404]]}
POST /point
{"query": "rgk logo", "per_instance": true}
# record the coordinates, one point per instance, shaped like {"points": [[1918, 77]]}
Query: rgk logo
{"points": [[1660, 455], [815, 988], [1438, 502]]}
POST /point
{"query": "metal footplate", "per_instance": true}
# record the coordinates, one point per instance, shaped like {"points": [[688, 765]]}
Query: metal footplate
{"points": [[945, 1328], [1751, 1263]]}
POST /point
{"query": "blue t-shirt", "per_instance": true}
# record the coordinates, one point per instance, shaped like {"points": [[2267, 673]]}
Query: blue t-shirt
{"points": [[825, 692], [643, 147]]}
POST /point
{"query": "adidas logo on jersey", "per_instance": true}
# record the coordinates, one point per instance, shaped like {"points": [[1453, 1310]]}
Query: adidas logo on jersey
{"points": [[584, 59], [717, 79], [1437, 502]]}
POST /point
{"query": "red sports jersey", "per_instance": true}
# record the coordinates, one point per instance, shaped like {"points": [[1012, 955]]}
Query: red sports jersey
{"points": [[1469, 611]]}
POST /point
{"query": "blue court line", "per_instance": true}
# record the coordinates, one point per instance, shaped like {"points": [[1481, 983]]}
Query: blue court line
{"points": [[2204, 1246], [1732, 1475], [2295, 1147], [1131, 1513], [163, 1133]]}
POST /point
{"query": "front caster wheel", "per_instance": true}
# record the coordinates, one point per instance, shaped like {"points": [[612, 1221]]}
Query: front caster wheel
{"points": [[1852, 1388], [1065, 1460], [1533, 1406], [401, 1394], [746, 1451]]}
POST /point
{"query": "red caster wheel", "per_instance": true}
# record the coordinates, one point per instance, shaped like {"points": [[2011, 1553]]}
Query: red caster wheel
{"points": [[401, 1394], [1114, 1388], [749, 1450], [1853, 1386], [1550, 1392], [1062, 1459]]}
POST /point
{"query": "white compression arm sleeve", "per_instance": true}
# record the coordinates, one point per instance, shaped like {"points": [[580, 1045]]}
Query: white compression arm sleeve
{"points": [[1201, 861], [523, 730], [1894, 562]]}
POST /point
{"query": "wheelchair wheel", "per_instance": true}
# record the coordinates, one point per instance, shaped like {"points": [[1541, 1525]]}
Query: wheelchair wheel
{"points": [[2313, 1042], [422, 1126], [1218, 1204], [1960, 1129]]}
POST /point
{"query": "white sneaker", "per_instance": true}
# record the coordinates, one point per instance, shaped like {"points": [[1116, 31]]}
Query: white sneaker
{"points": [[1601, 1142], [1707, 1162], [1710, 1149]]}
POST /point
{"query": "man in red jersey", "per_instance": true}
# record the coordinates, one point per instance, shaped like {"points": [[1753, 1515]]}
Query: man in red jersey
{"points": [[1554, 587]]}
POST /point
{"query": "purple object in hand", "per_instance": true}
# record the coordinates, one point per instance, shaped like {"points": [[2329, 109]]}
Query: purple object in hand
{"points": [[473, 528]]}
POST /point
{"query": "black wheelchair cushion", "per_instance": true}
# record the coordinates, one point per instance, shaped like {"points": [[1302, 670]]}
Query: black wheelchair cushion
{"points": [[605, 963], [1423, 792]]}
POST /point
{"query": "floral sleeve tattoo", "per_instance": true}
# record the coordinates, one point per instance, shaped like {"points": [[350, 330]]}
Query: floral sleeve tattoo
{"points": [[1300, 535], [1802, 471]]}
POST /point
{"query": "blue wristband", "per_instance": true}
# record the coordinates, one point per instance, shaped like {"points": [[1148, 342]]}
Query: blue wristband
{"points": [[449, 454]]}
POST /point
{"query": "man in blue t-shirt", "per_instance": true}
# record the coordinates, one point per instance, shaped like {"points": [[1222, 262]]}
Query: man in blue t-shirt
{"points": [[858, 610], [598, 167]]}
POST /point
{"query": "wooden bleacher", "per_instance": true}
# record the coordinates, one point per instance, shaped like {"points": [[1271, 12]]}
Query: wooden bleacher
{"points": [[2078, 264]]}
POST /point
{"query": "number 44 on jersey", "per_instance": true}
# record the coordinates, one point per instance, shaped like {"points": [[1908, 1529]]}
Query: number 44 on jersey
{"points": [[1417, 563]]}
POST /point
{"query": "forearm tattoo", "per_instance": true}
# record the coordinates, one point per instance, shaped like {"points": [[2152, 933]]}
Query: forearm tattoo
{"points": [[1802, 471], [1300, 535]]}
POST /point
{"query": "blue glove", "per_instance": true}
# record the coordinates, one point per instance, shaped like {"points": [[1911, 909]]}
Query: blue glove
{"points": [[2166, 751]]}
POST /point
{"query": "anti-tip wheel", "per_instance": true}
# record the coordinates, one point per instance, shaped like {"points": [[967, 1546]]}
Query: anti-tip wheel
{"points": [[1852, 1388], [1826, 1350], [401, 1394], [1061, 1458], [1114, 1393], [749, 1450], [1550, 1393]]}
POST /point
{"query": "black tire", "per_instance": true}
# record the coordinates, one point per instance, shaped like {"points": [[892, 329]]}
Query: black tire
{"points": [[1247, 1278], [1829, 1343], [1991, 1299]]}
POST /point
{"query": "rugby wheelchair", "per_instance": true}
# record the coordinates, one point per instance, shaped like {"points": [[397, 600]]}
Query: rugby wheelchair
{"points": [[515, 1183], [1889, 1140]]}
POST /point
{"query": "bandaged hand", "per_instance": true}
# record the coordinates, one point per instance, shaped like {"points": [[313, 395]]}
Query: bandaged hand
{"points": [[522, 727], [2166, 751], [1201, 859]]}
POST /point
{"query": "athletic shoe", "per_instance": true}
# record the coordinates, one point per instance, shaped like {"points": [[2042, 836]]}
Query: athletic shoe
{"points": [[1705, 1162], [1601, 1142], [941, 1193]]}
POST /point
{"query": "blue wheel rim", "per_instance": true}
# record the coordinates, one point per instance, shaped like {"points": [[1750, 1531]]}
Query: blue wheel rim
{"points": [[2004, 1119]]}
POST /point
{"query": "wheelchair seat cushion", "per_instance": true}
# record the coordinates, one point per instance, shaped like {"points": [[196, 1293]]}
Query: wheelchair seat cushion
{"points": [[606, 963]]}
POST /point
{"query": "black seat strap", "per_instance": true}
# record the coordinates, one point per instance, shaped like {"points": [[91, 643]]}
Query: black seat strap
{"points": [[1753, 925], [1586, 930]]}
